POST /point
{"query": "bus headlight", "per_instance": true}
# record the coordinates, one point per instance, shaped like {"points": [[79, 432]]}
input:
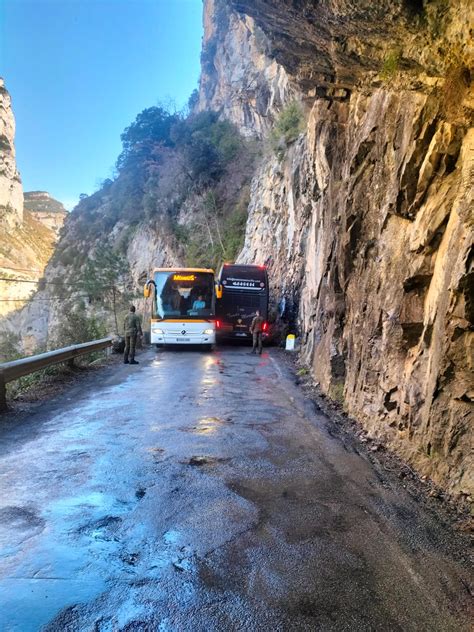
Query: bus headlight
{"points": [[208, 332], [157, 330]]}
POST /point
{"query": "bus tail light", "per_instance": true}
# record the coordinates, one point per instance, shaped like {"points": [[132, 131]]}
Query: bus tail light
{"points": [[265, 326], [218, 324]]}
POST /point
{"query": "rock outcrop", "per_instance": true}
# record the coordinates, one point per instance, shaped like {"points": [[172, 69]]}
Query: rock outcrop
{"points": [[24, 253], [366, 223], [25, 249], [46, 210], [238, 79], [29, 225], [11, 192]]}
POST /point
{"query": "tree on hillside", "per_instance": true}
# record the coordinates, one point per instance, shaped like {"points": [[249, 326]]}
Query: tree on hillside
{"points": [[151, 127], [207, 145]]}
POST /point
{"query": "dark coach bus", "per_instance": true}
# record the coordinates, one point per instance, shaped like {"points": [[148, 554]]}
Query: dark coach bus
{"points": [[241, 290]]}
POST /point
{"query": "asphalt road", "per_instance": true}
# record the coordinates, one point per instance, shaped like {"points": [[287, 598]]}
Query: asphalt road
{"points": [[202, 492]]}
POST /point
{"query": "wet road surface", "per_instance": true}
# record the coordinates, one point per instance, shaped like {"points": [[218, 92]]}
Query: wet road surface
{"points": [[203, 492]]}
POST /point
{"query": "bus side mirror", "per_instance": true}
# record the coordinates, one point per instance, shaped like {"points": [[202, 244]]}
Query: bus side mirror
{"points": [[147, 288], [218, 290]]}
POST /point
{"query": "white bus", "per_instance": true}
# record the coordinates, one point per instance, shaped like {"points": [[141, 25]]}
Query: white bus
{"points": [[183, 306]]}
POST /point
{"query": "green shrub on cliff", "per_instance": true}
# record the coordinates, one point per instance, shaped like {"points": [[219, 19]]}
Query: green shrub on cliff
{"points": [[206, 145], [390, 65], [9, 346], [218, 235], [288, 126]]}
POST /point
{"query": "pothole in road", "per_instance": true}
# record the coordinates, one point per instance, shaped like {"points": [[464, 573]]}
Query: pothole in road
{"points": [[102, 529], [181, 557], [206, 460], [156, 453], [130, 558], [183, 564]]}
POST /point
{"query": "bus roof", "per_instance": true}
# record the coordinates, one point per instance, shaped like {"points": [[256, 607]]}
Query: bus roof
{"points": [[179, 269]]}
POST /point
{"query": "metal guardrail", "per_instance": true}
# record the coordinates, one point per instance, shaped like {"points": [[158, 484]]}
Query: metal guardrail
{"points": [[10, 371]]}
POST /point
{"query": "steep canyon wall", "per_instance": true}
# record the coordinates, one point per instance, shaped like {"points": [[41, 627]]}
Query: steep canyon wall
{"points": [[366, 223], [27, 237], [11, 191]]}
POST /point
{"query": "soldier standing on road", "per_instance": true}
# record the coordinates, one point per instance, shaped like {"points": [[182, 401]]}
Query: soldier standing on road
{"points": [[256, 329], [133, 329]]}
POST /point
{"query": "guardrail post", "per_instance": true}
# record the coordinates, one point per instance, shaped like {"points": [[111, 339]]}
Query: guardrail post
{"points": [[3, 393]]}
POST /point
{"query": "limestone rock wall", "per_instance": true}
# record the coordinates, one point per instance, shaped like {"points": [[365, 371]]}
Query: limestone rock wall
{"points": [[26, 238], [46, 210], [11, 192], [366, 223], [238, 78]]}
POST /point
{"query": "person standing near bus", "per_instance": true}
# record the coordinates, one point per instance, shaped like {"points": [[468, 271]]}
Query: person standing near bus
{"points": [[256, 329], [133, 328]]}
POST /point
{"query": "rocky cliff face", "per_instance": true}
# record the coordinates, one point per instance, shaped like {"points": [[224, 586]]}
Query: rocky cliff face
{"points": [[366, 222], [11, 192], [27, 237], [45, 210], [25, 250], [238, 79]]}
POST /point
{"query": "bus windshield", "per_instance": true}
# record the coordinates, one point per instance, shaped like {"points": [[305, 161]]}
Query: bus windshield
{"points": [[184, 293]]}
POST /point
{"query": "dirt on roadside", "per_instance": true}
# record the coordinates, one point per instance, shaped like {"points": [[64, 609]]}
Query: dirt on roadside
{"points": [[458, 511], [50, 385]]}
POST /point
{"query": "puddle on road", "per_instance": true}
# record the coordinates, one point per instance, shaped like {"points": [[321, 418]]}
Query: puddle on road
{"points": [[206, 425], [27, 604], [209, 381]]}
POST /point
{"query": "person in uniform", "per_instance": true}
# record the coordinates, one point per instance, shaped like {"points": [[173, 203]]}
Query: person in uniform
{"points": [[256, 329], [133, 329]]}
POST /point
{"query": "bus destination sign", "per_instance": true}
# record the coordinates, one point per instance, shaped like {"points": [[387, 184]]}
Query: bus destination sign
{"points": [[184, 277], [243, 284]]}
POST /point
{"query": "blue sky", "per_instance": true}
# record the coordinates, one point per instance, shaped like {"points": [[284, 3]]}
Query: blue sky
{"points": [[79, 71]]}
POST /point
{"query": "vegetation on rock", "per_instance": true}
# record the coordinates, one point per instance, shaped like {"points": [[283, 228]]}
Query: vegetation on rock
{"points": [[390, 65], [288, 126], [186, 176]]}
